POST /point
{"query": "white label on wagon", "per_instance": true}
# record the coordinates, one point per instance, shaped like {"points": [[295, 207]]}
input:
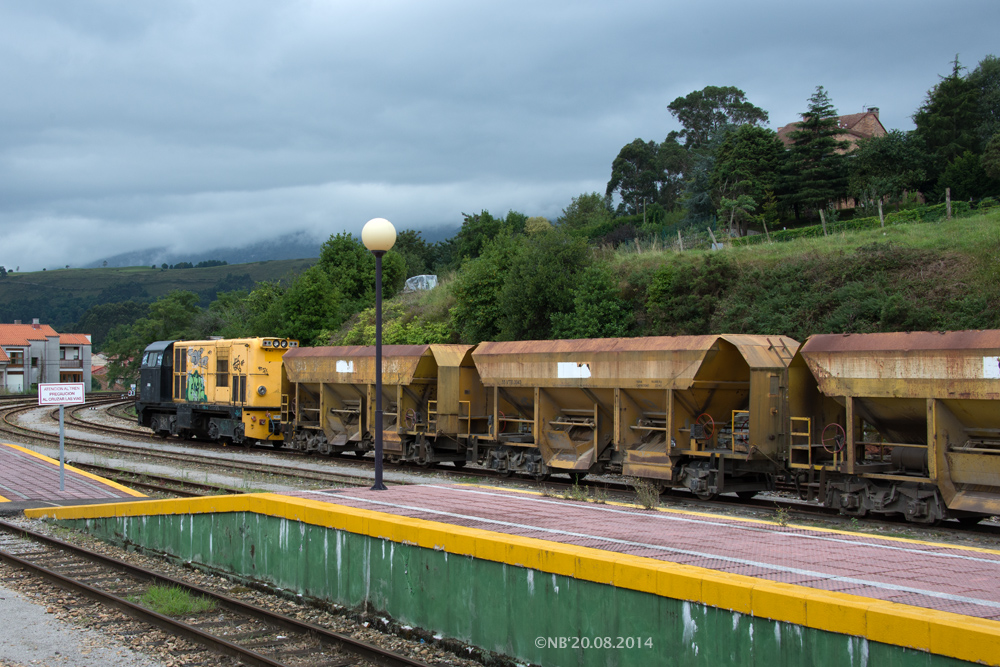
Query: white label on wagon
{"points": [[345, 366], [573, 370], [991, 368]]}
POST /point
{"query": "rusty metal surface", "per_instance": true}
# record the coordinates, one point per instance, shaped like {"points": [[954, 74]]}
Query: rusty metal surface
{"points": [[451, 355], [654, 362], [905, 342], [354, 364], [959, 364]]}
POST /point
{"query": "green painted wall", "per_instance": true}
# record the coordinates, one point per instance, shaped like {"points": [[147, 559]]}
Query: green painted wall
{"points": [[499, 607]]}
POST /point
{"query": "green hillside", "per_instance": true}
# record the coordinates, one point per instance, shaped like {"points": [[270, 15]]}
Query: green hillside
{"points": [[912, 276], [60, 298]]}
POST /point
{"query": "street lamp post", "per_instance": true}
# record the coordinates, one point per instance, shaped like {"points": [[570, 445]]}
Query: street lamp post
{"points": [[378, 235]]}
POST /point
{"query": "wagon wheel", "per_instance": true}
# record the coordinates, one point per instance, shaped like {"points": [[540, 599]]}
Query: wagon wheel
{"points": [[834, 438], [411, 419], [707, 424]]}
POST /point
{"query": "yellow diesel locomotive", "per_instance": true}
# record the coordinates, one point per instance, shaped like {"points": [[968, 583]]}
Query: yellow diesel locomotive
{"points": [[222, 389]]}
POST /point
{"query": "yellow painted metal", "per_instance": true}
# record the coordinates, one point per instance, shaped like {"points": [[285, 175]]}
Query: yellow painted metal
{"points": [[935, 391], [578, 400], [942, 633], [243, 372]]}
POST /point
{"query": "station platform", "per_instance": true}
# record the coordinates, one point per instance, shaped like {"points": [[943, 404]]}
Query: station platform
{"points": [[29, 480], [523, 574]]}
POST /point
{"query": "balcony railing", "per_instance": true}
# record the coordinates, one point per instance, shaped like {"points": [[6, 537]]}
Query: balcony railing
{"points": [[71, 363]]}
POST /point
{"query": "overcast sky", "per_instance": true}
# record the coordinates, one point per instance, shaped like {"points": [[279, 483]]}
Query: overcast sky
{"points": [[198, 124]]}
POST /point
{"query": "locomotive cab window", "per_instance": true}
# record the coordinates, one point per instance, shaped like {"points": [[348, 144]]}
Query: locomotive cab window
{"points": [[222, 368]]}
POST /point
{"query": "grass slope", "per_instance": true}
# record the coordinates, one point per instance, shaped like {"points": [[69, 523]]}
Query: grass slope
{"points": [[908, 277]]}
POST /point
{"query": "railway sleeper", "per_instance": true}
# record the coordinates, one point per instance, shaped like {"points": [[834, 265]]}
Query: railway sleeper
{"points": [[918, 503]]}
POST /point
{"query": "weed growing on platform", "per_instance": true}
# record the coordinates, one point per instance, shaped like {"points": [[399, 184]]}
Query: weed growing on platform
{"points": [[646, 492], [599, 496], [576, 492], [173, 601], [781, 515]]}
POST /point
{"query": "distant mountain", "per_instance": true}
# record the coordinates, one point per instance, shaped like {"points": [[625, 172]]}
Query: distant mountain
{"points": [[292, 246], [300, 245]]}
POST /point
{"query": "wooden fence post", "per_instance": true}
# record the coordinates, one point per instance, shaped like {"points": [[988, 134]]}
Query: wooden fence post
{"points": [[822, 219], [680, 240], [947, 203], [880, 217]]}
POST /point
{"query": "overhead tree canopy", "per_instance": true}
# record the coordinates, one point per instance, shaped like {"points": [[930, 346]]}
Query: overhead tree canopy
{"points": [[635, 175], [704, 112]]}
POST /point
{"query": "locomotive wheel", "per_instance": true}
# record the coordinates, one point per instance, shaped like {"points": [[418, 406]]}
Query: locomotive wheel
{"points": [[277, 444], [745, 495], [458, 464], [577, 477]]}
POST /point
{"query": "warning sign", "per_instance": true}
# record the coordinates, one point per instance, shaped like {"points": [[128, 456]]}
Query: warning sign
{"points": [[61, 394]]}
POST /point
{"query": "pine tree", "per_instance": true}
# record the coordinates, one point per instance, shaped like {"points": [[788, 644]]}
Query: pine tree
{"points": [[948, 121], [816, 172]]}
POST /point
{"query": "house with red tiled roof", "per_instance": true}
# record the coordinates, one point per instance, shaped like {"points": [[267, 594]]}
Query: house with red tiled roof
{"points": [[34, 353], [853, 127]]}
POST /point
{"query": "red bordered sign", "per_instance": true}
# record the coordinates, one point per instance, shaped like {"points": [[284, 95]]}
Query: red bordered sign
{"points": [[70, 393]]}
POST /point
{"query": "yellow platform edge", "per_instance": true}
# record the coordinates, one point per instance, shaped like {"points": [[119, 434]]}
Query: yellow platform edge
{"points": [[938, 632], [88, 475]]}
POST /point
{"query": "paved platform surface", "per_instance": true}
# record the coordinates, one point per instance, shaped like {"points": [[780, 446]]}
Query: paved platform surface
{"points": [[29, 479], [959, 580]]}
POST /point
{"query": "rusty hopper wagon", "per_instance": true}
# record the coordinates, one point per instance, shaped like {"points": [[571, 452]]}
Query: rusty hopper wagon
{"points": [[702, 412], [909, 424], [432, 397]]}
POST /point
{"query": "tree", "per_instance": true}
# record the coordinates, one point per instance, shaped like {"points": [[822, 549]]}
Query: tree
{"points": [[887, 166], [990, 159], [947, 121], [985, 79], [586, 212], [966, 178], [673, 161], [312, 308], [540, 283], [598, 310], [3, 272], [417, 252], [350, 267], [748, 165], [477, 313], [703, 113], [169, 318], [815, 173], [99, 320], [536, 224], [481, 227], [635, 176]]}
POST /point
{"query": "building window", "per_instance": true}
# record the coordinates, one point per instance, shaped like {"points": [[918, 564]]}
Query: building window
{"points": [[34, 362]]}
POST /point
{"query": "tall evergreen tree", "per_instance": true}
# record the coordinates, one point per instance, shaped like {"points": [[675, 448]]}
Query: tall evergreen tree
{"points": [[816, 173], [747, 164], [947, 122]]}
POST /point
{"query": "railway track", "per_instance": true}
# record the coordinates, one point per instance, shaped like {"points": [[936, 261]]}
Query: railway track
{"points": [[251, 634], [585, 489]]}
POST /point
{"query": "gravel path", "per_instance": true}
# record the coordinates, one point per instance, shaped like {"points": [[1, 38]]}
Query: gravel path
{"points": [[32, 634]]}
